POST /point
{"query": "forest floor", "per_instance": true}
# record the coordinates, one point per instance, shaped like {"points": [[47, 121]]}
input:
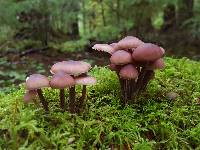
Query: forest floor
{"points": [[156, 122]]}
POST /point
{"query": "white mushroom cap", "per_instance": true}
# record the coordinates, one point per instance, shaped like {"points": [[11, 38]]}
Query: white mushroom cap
{"points": [[87, 80], [71, 67], [36, 81]]}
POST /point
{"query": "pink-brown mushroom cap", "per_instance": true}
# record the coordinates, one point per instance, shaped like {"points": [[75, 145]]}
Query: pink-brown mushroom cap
{"points": [[104, 47], [158, 64], [36, 81], [61, 80], [128, 72], [163, 50], [29, 95], [121, 57], [87, 80], [115, 46], [71, 67], [113, 67], [129, 42], [147, 52]]}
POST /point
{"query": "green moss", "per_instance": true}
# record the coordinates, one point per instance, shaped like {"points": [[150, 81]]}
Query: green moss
{"points": [[155, 123]]}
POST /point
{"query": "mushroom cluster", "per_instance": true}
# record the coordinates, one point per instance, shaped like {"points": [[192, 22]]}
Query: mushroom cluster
{"points": [[66, 74], [134, 62]]}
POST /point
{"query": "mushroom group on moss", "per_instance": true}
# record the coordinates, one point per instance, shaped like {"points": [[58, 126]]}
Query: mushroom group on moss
{"points": [[134, 61], [66, 74]]}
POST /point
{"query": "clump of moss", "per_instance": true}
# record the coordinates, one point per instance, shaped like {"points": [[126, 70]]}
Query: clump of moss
{"points": [[155, 123]]}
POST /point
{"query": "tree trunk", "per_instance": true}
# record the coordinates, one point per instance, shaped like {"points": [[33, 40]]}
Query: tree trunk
{"points": [[169, 17]]}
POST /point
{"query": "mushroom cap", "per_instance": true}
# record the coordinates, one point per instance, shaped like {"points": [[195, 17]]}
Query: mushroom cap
{"points": [[147, 52], [87, 80], [115, 46], [158, 64], [128, 72], [113, 67], [71, 67], [61, 80], [104, 47], [121, 57], [163, 50], [36, 81], [29, 95], [129, 42]]}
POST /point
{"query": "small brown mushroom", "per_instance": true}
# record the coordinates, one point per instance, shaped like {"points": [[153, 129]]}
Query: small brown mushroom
{"points": [[121, 57], [87, 80], [61, 80], [73, 68], [36, 82]]}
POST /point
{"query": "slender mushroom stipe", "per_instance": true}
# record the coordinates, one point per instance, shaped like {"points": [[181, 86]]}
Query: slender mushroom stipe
{"points": [[61, 81]]}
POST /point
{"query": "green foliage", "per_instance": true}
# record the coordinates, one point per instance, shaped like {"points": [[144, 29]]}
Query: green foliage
{"points": [[10, 73], [154, 123], [72, 46]]}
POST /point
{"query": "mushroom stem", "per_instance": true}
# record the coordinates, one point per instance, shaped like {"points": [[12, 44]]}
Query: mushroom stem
{"points": [[148, 76], [140, 81], [42, 100], [83, 96], [72, 96], [62, 99]]}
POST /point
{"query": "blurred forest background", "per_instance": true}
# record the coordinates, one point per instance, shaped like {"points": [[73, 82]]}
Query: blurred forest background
{"points": [[34, 34]]}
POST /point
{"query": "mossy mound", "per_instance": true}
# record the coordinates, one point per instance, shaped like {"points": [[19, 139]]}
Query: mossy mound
{"points": [[155, 123]]}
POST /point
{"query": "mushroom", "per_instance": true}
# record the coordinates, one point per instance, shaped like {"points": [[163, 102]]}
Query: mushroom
{"points": [[129, 42], [104, 48], [121, 57], [73, 68], [128, 75], [36, 82], [147, 52], [61, 80], [134, 62], [85, 80], [115, 46], [30, 95]]}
